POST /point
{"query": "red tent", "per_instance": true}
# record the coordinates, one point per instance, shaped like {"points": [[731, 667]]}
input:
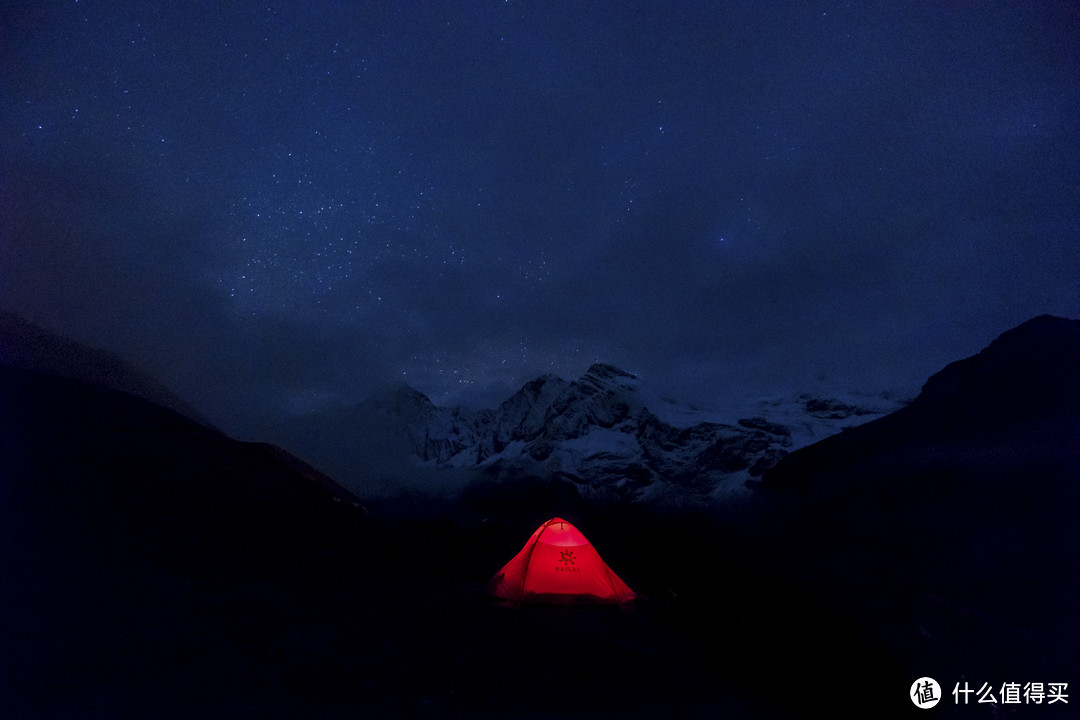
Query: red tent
{"points": [[558, 564]]}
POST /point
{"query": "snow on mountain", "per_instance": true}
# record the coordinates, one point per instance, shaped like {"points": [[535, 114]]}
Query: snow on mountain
{"points": [[602, 434]]}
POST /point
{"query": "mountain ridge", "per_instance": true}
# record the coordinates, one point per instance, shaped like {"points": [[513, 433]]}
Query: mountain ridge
{"points": [[953, 519], [599, 434], [28, 346], [1019, 393]]}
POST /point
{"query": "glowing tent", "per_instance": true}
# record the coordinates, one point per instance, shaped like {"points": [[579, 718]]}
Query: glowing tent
{"points": [[558, 564]]}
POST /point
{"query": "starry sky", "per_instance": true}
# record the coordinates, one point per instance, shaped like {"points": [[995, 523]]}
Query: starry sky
{"points": [[275, 207]]}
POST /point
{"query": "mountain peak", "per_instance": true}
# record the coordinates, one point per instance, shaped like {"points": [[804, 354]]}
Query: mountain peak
{"points": [[1044, 333], [606, 371], [607, 379], [401, 399], [1030, 369]]}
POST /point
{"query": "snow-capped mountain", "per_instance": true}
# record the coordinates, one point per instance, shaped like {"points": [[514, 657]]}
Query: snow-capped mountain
{"points": [[612, 439]]}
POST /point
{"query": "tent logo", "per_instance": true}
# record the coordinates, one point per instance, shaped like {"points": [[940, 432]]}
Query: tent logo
{"points": [[566, 557]]}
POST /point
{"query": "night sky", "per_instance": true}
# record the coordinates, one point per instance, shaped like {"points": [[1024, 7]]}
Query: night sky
{"points": [[272, 207]]}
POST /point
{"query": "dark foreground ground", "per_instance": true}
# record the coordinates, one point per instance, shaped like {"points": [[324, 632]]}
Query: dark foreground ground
{"points": [[397, 624], [157, 569]]}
